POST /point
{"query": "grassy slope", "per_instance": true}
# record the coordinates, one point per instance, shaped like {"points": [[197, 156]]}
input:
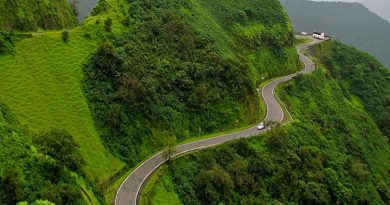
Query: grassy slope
{"points": [[160, 190], [26, 15], [42, 85]]}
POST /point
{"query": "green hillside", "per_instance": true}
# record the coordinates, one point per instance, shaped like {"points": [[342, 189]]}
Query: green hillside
{"points": [[360, 77], [31, 15], [39, 166], [332, 153], [181, 70], [42, 84], [134, 75]]}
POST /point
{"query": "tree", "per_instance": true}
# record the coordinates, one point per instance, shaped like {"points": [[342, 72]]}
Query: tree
{"points": [[65, 36], [170, 148], [107, 24], [271, 125], [75, 7], [61, 146], [10, 186]]}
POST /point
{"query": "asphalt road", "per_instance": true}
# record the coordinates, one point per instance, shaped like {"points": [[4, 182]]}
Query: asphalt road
{"points": [[131, 186]]}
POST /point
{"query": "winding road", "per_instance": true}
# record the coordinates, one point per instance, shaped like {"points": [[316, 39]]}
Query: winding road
{"points": [[129, 190]]}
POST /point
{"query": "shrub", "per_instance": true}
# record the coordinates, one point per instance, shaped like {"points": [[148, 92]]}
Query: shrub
{"points": [[65, 36]]}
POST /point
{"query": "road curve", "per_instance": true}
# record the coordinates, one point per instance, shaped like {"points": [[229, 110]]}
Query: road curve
{"points": [[128, 192]]}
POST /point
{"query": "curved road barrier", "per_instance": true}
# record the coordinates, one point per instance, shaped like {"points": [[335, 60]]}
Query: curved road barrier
{"points": [[129, 190]]}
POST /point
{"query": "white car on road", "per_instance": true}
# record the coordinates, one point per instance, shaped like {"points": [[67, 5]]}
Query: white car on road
{"points": [[261, 126]]}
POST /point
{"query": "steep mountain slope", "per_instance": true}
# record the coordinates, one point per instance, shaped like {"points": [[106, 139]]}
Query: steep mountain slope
{"points": [[30, 15], [332, 153], [41, 82], [359, 75], [185, 69], [350, 23], [380, 7], [185, 72]]}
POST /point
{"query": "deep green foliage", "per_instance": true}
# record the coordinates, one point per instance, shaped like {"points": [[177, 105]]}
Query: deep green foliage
{"points": [[107, 24], [29, 15], [65, 36], [6, 44], [37, 167], [361, 75], [332, 153], [165, 77]]}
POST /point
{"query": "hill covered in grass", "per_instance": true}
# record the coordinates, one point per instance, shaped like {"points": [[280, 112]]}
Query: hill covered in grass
{"points": [[41, 82], [31, 15], [332, 153], [351, 23], [182, 70], [34, 167]]}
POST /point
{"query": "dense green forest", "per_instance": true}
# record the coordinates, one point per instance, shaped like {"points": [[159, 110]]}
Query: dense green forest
{"points": [[33, 167], [182, 69], [332, 153], [350, 23], [30, 15]]}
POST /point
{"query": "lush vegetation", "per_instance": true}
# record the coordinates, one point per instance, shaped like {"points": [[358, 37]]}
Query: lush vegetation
{"points": [[37, 166], [351, 23], [30, 15], [360, 75], [184, 69], [332, 153], [41, 83], [6, 44]]}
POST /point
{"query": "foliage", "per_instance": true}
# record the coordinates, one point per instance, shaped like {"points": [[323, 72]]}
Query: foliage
{"points": [[165, 77], [37, 202], [107, 24], [30, 15], [360, 75], [65, 36], [41, 83], [33, 167], [6, 44], [333, 153], [170, 149]]}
